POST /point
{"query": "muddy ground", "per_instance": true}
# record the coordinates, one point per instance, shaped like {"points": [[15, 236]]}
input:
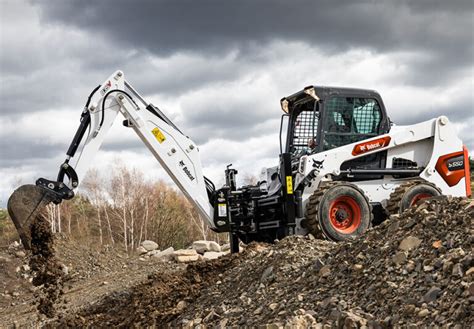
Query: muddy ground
{"points": [[415, 270]]}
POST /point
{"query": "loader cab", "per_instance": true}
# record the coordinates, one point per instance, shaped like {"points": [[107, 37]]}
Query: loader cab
{"points": [[323, 118]]}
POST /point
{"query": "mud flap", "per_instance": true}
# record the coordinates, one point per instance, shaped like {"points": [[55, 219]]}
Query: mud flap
{"points": [[23, 205]]}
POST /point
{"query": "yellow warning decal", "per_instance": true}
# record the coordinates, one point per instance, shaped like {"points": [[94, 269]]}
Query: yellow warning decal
{"points": [[158, 135], [289, 185]]}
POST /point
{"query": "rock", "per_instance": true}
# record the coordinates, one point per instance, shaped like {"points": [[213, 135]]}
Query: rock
{"points": [[64, 269], [164, 254], [258, 311], [25, 267], [181, 305], [153, 253], [301, 321], [267, 275], [352, 320], [20, 254], [317, 265], [14, 245], [358, 267], [211, 316], [214, 246], [437, 244], [149, 245], [470, 271], [225, 247], [424, 312], [141, 250], [399, 258], [185, 255], [409, 243], [325, 271], [428, 268], [273, 306], [184, 252], [457, 270], [212, 255], [432, 294], [201, 246]]}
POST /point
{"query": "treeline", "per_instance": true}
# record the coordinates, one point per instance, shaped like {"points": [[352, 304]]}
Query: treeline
{"points": [[122, 211]]}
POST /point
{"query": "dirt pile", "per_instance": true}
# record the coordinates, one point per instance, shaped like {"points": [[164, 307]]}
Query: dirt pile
{"points": [[47, 270], [414, 269]]}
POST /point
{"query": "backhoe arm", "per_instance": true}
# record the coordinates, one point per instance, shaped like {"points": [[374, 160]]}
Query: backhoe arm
{"points": [[176, 153]]}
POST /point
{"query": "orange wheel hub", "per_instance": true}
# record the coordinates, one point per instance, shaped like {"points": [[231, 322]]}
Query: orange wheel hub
{"points": [[419, 197], [345, 214]]}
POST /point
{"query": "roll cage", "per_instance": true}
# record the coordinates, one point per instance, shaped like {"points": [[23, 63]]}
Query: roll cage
{"points": [[315, 111]]}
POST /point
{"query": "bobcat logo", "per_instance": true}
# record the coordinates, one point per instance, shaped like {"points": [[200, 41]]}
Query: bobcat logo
{"points": [[317, 165]]}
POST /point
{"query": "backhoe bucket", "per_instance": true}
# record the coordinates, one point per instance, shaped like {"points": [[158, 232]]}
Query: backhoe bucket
{"points": [[23, 205]]}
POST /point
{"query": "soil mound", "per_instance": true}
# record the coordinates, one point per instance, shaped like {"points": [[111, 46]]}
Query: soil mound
{"points": [[414, 269]]}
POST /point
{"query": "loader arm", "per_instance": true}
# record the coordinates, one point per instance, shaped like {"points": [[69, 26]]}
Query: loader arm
{"points": [[176, 153]]}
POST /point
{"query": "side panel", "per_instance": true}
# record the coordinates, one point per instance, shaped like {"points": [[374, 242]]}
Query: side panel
{"points": [[423, 143]]}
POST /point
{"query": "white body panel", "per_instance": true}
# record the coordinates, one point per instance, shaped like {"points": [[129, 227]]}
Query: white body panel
{"points": [[423, 143]]}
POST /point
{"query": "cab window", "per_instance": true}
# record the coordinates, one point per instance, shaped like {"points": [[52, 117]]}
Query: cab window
{"points": [[350, 119]]}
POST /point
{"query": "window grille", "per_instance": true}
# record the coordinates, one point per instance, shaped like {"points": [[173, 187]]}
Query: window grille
{"points": [[306, 127]]}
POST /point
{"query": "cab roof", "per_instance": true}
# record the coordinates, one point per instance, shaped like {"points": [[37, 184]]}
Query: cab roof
{"points": [[312, 93]]}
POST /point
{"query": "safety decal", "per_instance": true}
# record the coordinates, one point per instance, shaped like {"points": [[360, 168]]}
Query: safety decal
{"points": [[222, 209], [158, 135], [289, 185]]}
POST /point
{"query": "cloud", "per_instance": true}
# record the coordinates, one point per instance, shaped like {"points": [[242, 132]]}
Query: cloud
{"points": [[219, 69], [443, 32]]}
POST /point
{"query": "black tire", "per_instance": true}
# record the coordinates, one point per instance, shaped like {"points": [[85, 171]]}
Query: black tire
{"points": [[408, 194], [338, 211]]}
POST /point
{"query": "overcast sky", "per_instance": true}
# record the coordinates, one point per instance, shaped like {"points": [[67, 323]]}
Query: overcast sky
{"points": [[219, 69]]}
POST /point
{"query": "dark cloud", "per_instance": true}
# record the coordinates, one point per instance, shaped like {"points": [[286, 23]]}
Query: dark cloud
{"points": [[15, 152], [443, 30]]}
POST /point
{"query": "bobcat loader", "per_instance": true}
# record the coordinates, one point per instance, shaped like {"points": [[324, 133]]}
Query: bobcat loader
{"points": [[343, 165]]}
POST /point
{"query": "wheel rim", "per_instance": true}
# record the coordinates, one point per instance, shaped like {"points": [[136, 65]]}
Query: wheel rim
{"points": [[345, 214], [419, 197]]}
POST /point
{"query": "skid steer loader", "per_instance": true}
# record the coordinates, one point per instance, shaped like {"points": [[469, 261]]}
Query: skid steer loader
{"points": [[343, 165]]}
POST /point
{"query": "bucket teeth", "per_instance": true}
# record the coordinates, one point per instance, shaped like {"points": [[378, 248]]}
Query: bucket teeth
{"points": [[23, 205]]}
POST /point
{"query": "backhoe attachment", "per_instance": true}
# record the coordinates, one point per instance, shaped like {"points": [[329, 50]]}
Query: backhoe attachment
{"points": [[24, 205], [27, 201]]}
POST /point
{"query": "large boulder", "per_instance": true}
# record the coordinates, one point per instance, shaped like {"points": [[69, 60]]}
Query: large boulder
{"points": [[212, 255], [214, 246], [185, 255], [202, 246], [149, 245], [165, 254], [153, 252], [141, 250]]}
